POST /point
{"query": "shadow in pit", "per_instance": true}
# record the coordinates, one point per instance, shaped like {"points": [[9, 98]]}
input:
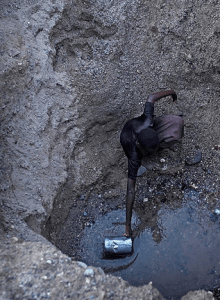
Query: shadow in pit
{"points": [[116, 264]]}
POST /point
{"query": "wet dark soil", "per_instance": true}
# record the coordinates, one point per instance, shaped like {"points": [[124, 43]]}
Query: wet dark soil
{"points": [[179, 256], [183, 255], [176, 224]]}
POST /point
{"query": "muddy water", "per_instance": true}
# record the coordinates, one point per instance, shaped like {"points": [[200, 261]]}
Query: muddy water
{"points": [[187, 257], [92, 243], [184, 255]]}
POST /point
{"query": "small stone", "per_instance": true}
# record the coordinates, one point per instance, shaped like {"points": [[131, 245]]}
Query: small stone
{"points": [[217, 211], [49, 261], [141, 171], [196, 158], [87, 280], [145, 199], [89, 272], [81, 264], [14, 239], [101, 271], [194, 186]]}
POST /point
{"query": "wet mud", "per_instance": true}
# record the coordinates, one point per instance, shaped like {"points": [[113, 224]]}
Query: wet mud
{"points": [[182, 256], [185, 258], [175, 223]]}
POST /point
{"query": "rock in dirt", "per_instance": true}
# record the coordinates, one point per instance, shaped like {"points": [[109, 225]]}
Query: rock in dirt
{"points": [[72, 73], [39, 271], [194, 159]]}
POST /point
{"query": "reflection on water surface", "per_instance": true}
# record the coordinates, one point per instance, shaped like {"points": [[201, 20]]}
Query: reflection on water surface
{"points": [[183, 255]]}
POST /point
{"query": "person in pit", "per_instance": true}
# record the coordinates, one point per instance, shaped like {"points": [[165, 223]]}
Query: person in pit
{"points": [[145, 135]]}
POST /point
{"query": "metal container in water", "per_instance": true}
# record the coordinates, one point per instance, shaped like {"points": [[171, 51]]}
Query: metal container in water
{"points": [[118, 245]]}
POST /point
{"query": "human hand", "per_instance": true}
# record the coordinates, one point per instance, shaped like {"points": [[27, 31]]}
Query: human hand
{"points": [[174, 96], [128, 231]]}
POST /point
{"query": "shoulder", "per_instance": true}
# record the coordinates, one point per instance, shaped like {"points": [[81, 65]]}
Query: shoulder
{"points": [[133, 123], [129, 124]]}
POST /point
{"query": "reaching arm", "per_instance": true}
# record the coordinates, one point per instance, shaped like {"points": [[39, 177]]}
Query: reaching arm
{"points": [[129, 204], [158, 95]]}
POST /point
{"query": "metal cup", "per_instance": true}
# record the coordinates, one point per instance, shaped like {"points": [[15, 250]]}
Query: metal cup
{"points": [[118, 245]]}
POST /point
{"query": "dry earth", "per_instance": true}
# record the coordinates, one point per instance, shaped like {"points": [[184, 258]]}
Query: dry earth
{"points": [[72, 73]]}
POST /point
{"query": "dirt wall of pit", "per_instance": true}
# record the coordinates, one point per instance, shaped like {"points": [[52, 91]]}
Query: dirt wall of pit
{"points": [[73, 72]]}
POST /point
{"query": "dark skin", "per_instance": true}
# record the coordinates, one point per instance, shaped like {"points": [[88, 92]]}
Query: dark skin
{"points": [[130, 196]]}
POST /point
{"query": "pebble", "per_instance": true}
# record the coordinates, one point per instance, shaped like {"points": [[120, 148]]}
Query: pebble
{"points": [[195, 186], [141, 171], [194, 159], [217, 211], [101, 271], [14, 239], [89, 272], [81, 264]]}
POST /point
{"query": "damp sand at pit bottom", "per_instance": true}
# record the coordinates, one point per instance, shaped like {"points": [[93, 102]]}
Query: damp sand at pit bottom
{"points": [[185, 257]]}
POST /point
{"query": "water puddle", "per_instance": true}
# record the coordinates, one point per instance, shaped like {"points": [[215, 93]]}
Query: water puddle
{"points": [[185, 256], [92, 243]]}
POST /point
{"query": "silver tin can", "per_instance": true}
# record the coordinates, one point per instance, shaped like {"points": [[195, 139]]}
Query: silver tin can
{"points": [[118, 245]]}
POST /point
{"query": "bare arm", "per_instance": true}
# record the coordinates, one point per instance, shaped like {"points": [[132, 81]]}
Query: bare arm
{"points": [[158, 95], [129, 204]]}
